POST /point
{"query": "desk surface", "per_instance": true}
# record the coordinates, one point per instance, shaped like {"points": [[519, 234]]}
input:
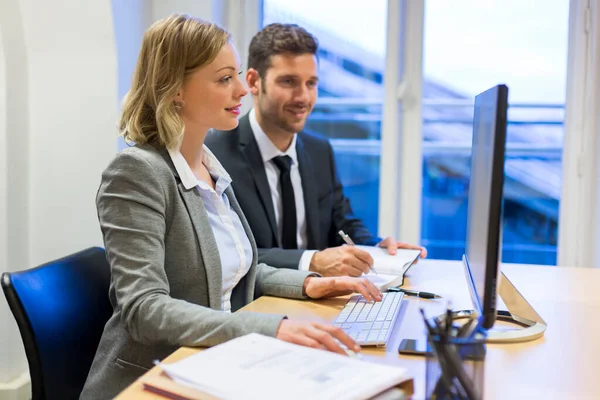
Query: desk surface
{"points": [[563, 364]]}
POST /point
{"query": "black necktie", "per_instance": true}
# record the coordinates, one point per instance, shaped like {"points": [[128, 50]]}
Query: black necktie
{"points": [[284, 163]]}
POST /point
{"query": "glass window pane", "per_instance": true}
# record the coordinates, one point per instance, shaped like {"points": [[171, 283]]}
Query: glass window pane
{"points": [[351, 36], [470, 46]]}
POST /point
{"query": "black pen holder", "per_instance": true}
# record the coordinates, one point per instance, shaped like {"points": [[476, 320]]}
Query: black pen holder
{"points": [[454, 368]]}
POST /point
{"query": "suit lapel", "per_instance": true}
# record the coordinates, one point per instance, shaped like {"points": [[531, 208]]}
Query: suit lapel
{"points": [[204, 236], [251, 153], [311, 204]]}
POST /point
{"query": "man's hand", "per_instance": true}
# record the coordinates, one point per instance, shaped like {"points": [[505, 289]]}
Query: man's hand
{"points": [[341, 261], [317, 288], [316, 335], [391, 244]]}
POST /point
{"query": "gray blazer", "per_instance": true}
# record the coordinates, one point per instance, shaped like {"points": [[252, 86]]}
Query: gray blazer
{"points": [[166, 272]]}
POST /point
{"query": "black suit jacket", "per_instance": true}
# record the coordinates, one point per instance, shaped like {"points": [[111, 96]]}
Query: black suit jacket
{"points": [[327, 209]]}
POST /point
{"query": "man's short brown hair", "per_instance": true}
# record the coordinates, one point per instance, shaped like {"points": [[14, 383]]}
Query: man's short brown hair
{"points": [[276, 39]]}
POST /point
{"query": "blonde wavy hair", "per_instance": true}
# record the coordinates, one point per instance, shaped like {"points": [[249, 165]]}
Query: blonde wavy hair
{"points": [[172, 48]]}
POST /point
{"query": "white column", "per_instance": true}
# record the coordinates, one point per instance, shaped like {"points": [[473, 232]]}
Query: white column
{"points": [[579, 221], [58, 96], [212, 10], [243, 18], [400, 187], [131, 19]]}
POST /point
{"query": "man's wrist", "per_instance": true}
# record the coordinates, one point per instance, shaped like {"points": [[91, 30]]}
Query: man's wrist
{"points": [[306, 260]]}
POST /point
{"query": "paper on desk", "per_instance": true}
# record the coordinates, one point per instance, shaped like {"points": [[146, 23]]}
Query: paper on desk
{"points": [[390, 268], [384, 282], [260, 367]]}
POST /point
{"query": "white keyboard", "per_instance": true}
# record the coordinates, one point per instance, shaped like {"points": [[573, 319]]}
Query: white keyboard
{"points": [[370, 323]]}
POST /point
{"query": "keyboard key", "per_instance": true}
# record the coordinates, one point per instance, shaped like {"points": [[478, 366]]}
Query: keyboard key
{"points": [[373, 336], [364, 313], [374, 311], [352, 317], [365, 326], [383, 335], [362, 336], [391, 313]]}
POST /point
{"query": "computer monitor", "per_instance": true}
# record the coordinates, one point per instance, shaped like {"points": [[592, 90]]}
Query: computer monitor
{"points": [[484, 220]]}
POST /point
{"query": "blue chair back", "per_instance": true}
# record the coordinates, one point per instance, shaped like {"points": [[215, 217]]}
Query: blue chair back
{"points": [[61, 308]]}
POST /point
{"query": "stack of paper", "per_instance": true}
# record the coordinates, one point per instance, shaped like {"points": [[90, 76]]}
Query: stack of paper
{"points": [[259, 367], [390, 268]]}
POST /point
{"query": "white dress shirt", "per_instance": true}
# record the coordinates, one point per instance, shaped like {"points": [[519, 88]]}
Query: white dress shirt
{"points": [[224, 221], [268, 151]]}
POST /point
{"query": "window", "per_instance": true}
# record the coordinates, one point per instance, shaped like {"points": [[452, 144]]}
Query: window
{"points": [[351, 36], [470, 46]]}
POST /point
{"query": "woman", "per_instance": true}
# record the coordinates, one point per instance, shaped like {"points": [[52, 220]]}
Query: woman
{"points": [[182, 256]]}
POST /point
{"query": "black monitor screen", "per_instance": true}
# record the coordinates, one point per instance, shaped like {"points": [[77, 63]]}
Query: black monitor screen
{"points": [[485, 200]]}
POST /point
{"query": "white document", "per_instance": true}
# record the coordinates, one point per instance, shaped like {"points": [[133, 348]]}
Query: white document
{"points": [[260, 367], [390, 268]]}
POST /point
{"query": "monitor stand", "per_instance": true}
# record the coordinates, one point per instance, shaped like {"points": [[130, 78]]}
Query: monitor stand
{"points": [[520, 313]]}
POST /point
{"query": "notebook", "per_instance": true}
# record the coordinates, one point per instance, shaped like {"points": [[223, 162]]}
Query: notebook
{"points": [[391, 269], [260, 367]]}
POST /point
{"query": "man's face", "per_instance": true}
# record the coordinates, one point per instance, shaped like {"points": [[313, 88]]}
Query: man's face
{"points": [[287, 93]]}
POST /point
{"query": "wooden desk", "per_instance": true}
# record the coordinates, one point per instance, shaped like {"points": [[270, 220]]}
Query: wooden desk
{"points": [[563, 364]]}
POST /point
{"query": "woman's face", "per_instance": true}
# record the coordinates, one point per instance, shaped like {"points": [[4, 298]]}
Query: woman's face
{"points": [[212, 94]]}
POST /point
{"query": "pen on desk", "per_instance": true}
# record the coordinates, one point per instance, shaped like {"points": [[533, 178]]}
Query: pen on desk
{"points": [[349, 242], [417, 293]]}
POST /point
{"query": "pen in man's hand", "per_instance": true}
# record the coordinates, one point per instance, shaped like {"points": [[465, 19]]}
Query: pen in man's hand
{"points": [[349, 242], [417, 293]]}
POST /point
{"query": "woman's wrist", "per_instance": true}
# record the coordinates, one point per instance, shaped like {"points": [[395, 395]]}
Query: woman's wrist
{"points": [[305, 285]]}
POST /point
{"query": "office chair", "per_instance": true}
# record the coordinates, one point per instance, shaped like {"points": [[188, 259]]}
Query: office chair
{"points": [[61, 308]]}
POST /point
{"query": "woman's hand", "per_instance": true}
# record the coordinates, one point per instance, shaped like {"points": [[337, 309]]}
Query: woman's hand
{"points": [[316, 335], [317, 288], [325, 336]]}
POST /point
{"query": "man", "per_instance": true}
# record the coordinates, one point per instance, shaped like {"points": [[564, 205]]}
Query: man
{"points": [[286, 180]]}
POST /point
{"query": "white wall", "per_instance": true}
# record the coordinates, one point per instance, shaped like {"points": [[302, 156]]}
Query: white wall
{"points": [[58, 112], [62, 75], [14, 218]]}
